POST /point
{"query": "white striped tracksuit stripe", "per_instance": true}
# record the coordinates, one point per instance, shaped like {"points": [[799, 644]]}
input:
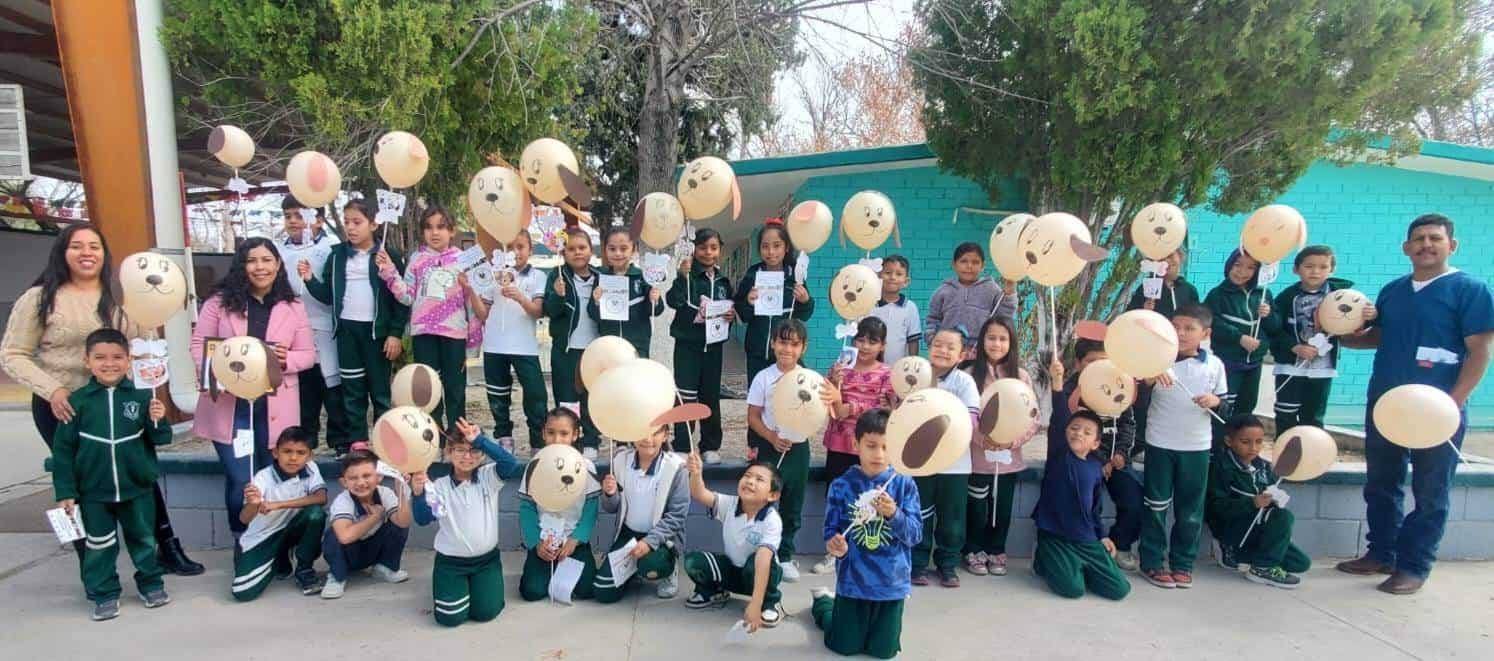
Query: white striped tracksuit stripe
{"points": [[453, 607], [715, 569], [1157, 505], [100, 543], [248, 581]]}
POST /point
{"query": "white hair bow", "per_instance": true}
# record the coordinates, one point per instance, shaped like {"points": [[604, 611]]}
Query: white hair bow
{"points": [[139, 347], [845, 330], [503, 259], [873, 263]]}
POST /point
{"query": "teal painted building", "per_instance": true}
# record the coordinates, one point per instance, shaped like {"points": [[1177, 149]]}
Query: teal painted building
{"points": [[1360, 210]]}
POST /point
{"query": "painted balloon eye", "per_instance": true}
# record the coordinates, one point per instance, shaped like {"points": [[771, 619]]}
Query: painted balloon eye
{"points": [[142, 263], [559, 464], [244, 350]]}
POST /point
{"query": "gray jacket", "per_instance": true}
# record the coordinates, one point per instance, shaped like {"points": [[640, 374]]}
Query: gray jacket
{"points": [[968, 306], [669, 507]]}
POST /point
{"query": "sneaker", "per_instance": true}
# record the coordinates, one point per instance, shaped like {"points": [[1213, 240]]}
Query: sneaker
{"points": [[668, 587], [332, 589], [589, 453], [920, 577], [1159, 577], [790, 571], [1182, 580], [771, 617], [826, 566], [1225, 555], [712, 457], [996, 565], [105, 610], [816, 593], [975, 563], [948, 578], [507, 443], [391, 575], [702, 600], [306, 580], [155, 598], [1273, 576], [1126, 560]]}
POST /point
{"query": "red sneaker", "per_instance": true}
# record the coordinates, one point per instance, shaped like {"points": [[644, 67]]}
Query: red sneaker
{"points": [[1159, 577], [1182, 579], [920, 577]]}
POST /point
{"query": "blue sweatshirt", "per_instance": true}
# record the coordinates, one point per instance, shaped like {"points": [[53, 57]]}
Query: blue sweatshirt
{"points": [[878, 566], [1069, 504]]}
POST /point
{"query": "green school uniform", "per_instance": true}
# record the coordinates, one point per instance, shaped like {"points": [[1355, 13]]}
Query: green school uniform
{"points": [[638, 330], [1232, 514], [565, 311], [697, 365], [1303, 398]]}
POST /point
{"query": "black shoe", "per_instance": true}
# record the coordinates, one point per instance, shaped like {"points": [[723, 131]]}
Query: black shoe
{"points": [[307, 581], [175, 561], [1226, 556]]}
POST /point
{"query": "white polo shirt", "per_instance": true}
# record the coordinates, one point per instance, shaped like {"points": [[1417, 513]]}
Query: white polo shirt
{"points": [[509, 330], [357, 298], [962, 385], [344, 506], [641, 487], [761, 392], [904, 325], [1174, 422], [467, 512], [275, 486], [741, 535]]}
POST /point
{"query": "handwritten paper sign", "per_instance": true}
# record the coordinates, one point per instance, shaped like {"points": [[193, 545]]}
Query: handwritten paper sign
{"points": [[614, 303], [717, 327], [1152, 288], [469, 258], [655, 268], [68, 528], [391, 206], [769, 285]]}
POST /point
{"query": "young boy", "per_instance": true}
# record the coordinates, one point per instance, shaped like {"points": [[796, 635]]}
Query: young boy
{"points": [[509, 343], [649, 491], [1304, 376], [1176, 290], [370, 524], [786, 450], [872, 521], [544, 530], [1178, 439], [1073, 553], [1247, 523], [750, 534], [943, 496], [283, 512], [104, 463], [467, 582], [1242, 326], [1117, 447], [566, 294], [900, 313], [321, 384]]}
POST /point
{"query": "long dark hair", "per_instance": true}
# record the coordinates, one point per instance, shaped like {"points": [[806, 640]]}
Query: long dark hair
{"points": [[233, 290], [1011, 364], [57, 274]]}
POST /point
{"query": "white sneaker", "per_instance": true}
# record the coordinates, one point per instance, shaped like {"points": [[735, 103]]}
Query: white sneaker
{"points": [[668, 587], [712, 457], [790, 571], [391, 575], [826, 566], [589, 453], [816, 593], [771, 617], [332, 589]]}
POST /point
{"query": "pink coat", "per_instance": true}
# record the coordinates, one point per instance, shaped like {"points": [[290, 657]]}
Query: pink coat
{"points": [[288, 327]]}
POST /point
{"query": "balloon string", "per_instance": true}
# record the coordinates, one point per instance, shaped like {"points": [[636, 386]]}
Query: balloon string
{"points": [[1053, 322], [1191, 395], [1299, 364], [1258, 514]]}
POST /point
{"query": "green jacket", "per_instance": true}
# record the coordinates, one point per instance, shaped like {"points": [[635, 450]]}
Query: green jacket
{"points": [[107, 453], [684, 297], [758, 342], [390, 316], [1234, 313], [638, 330], [1228, 504], [564, 311], [1179, 294], [1294, 326]]}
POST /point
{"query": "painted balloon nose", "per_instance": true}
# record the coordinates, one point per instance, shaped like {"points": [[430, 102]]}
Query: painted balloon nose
{"points": [[1159, 231], [1031, 257], [153, 280], [874, 223], [532, 181], [1345, 308], [1119, 398], [492, 197], [236, 366], [912, 380], [428, 435], [805, 397], [691, 183], [851, 297], [567, 480]]}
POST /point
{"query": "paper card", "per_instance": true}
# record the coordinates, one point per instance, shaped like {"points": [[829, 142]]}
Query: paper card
{"points": [[309, 216], [873, 263], [1152, 267], [243, 442], [149, 373], [623, 564], [683, 249], [1267, 273], [845, 330], [1002, 457], [563, 581], [437, 282], [483, 281], [1278, 496], [736, 635], [614, 303], [504, 259], [801, 268], [67, 528], [1320, 342], [469, 258], [237, 185], [847, 358], [769, 286], [1152, 288], [655, 268], [717, 327], [391, 206], [205, 379]]}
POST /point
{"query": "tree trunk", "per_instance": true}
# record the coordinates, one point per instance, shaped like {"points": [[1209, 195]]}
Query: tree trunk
{"points": [[663, 95]]}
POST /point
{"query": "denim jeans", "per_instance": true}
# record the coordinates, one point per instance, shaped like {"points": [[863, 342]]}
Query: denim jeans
{"points": [[1407, 542]]}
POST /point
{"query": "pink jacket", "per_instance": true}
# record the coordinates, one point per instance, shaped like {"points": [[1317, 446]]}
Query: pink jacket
{"points": [[288, 327], [978, 463]]}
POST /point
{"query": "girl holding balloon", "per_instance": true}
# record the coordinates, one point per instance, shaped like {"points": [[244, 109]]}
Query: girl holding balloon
{"points": [[988, 510]]}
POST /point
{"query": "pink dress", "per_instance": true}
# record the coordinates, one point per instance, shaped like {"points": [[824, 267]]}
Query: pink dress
{"points": [[862, 391]]}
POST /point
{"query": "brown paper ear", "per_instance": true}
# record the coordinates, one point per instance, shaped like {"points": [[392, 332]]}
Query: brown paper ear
{"points": [[989, 414], [1290, 456], [272, 367], [639, 213], [1086, 251], [575, 188], [682, 413], [421, 387], [526, 209], [390, 442], [736, 200], [216, 139], [924, 441]]}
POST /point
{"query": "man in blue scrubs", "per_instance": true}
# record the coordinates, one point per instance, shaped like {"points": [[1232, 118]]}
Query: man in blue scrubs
{"points": [[1434, 327]]}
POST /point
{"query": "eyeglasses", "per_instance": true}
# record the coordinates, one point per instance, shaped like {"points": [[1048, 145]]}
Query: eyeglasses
{"points": [[466, 450]]}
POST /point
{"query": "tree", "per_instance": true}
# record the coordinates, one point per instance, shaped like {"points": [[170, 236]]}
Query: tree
{"points": [[1100, 107]]}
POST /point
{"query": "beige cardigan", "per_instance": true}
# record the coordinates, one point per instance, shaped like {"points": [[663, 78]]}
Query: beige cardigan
{"points": [[47, 357]]}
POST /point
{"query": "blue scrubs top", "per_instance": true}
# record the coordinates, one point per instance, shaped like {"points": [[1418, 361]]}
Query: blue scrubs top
{"points": [[1422, 332]]}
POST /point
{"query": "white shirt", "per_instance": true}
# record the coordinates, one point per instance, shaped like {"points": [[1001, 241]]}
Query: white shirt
{"points": [[640, 488], [315, 254], [741, 535], [760, 394], [344, 506], [1174, 422], [961, 385], [1418, 285], [466, 511], [904, 325], [357, 299], [275, 489], [586, 327], [509, 330]]}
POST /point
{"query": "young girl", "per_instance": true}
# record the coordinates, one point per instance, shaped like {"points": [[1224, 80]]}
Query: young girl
{"points": [[1176, 290], [440, 315], [988, 510], [786, 450], [1242, 322], [575, 524], [967, 300], [643, 300], [571, 329], [777, 251], [649, 491], [943, 496], [849, 393], [697, 365], [509, 343]]}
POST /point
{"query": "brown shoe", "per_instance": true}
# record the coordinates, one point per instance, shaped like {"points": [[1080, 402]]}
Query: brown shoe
{"points": [[1365, 566], [1401, 583]]}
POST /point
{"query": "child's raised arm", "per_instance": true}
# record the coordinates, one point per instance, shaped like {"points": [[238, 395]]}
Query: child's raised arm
{"points": [[698, 490]]}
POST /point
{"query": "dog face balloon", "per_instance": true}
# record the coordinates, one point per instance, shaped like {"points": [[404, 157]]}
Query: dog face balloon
{"points": [[499, 202], [796, 402], [658, 220], [550, 170], [854, 291], [401, 159], [313, 178], [910, 374], [1273, 231], [246, 367], [416, 385], [1105, 389], [231, 145], [868, 219], [1008, 408], [707, 185], [1141, 343], [1304, 452], [1342, 312], [153, 287], [556, 477], [928, 432], [605, 353], [1006, 249], [1158, 230], [809, 225], [406, 438], [1056, 247]]}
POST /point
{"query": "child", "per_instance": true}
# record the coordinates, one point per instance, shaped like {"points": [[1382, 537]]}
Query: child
{"points": [[370, 524], [566, 294], [509, 342], [899, 312], [1246, 521], [312, 244], [873, 507], [993, 482], [369, 321], [750, 534], [777, 251], [850, 393], [1177, 451], [440, 316], [1243, 322], [543, 530], [104, 463], [650, 493], [1176, 290], [697, 365], [284, 514], [467, 582], [1303, 376], [786, 450], [942, 496], [967, 300], [643, 299], [1073, 553], [1117, 447]]}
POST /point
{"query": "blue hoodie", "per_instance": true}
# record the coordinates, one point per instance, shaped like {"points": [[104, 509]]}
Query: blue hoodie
{"points": [[878, 566], [1069, 503]]}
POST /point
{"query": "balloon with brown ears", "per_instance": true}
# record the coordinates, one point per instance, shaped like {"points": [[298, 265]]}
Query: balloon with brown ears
{"points": [[246, 367], [406, 438], [153, 288], [417, 385], [928, 433], [1057, 246], [707, 186], [658, 220], [550, 170], [911, 374], [1304, 452], [1008, 410]]}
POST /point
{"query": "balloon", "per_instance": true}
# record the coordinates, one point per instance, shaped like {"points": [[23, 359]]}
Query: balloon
{"points": [[868, 219], [556, 477], [626, 399], [928, 432], [313, 179], [246, 367], [855, 291], [911, 374], [1106, 389], [707, 185], [1056, 247], [416, 385], [401, 159], [231, 145], [796, 402], [1158, 230], [809, 225], [406, 438], [602, 354], [1304, 452], [153, 287], [1273, 231], [1006, 251], [499, 202], [1141, 343], [658, 220], [1008, 409], [1342, 312], [550, 170], [1416, 416]]}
